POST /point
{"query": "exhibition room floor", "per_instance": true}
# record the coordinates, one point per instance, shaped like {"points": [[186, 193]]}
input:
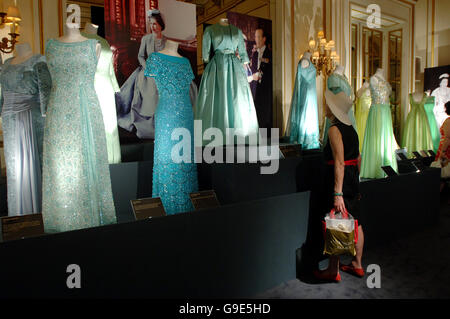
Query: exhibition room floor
{"points": [[414, 267]]}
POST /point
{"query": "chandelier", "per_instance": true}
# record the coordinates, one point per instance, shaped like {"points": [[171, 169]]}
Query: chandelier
{"points": [[11, 19], [324, 55]]}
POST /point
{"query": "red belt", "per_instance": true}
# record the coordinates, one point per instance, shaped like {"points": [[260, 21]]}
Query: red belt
{"points": [[353, 162]]}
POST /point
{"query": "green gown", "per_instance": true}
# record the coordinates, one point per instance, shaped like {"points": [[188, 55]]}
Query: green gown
{"points": [[362, 108], [417, 133], [379, 141], [434, 129], [225, 99]]}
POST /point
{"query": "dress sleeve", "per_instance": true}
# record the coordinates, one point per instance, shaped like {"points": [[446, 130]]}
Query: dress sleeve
{"points": [[143, 54], [44, 81], [151, 69], [206, 45], [112, 76], [242, 50]]}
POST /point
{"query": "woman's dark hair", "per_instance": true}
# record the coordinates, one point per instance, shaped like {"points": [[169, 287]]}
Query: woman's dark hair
{"points": [[447, 108], [159, 19]]}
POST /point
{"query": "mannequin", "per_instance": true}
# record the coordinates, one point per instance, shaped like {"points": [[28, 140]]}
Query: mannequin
{"points": [[23, 53], [339, 70], [417, 96], [224, 22], [73, 35], [380, 74], [90, 28], [306, 59], [171, 48], [364, 90]]}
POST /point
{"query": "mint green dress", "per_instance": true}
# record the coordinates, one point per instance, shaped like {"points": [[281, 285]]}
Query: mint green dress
{"points": [[362, 108], [417, 133], [337, 83], [434, 129], [76, 182], [106, 86], [379, 141], [225, 99]]}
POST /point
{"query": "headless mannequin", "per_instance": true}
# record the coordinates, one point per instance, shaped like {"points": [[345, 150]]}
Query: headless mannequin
{"points": [[339, 70], [306, 59], [380, 74], [23, 53], [90, 28], [417, 97], [171, 48], [364, 90], [73, 35], [224, 22]]}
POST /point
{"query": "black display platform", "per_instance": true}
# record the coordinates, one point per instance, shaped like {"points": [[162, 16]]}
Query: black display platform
{"points": [[232, 251]]}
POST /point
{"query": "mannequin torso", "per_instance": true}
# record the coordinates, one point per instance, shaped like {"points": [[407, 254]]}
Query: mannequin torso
{"points": [[364, 90], [306, 60], [171, 48], [90, 28], [418, 97], [73, 35], [23, 53], [224, 22]]}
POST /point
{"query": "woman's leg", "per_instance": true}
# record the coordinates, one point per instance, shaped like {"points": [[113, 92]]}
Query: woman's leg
{"points": [[359, 249]]}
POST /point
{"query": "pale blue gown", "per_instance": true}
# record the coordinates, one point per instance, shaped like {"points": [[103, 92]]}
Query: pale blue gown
{"points": [[173, 181], [225, 99], [303, 123], [337, 83], [76, 180], [25, 92]]}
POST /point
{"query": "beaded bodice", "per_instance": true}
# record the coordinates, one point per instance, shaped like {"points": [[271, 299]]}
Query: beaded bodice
{"points": [[380, 90]]}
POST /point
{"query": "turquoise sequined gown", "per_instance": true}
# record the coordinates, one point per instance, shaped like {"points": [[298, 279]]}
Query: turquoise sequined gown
{"points": [[303, 123], [106, 85], [76, 180], [225, 99], [25, 92], [337, 83], [379, 141], [173, 180]]}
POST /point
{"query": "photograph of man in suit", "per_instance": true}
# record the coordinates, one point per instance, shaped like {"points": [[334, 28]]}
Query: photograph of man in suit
{"points": [[261, 78]]}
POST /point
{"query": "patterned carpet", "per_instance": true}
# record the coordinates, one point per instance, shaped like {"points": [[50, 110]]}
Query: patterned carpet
{"points": [[411, 268]]}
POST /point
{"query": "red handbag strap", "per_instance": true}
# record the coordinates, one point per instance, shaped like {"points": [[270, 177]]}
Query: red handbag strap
{"points": [[344, 214]]}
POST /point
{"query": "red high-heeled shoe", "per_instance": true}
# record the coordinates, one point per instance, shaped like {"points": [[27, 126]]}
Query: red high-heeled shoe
{"points": [[332, 278], [359, 272]]}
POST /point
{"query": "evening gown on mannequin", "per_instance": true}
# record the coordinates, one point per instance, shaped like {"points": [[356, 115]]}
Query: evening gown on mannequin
{"points": [[173, 182], [25, 92], [138, 97], [434, 129], [417, 133], [337, 83], [76, 180], [106, 85], [379, 141], [361, 113], [303, 123], [225, 99]]}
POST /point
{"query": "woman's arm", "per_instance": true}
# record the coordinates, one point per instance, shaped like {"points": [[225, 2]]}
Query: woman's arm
{"points": [[446, 142], [337, 148], [143, 54]]}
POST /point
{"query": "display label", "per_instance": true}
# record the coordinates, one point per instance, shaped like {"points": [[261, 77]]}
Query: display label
{"points": [[293, 150], [204, 199], [148, 208], [19, 227]]}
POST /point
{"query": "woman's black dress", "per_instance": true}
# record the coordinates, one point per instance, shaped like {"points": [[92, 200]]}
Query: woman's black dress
{"points": [[350, 186]]}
